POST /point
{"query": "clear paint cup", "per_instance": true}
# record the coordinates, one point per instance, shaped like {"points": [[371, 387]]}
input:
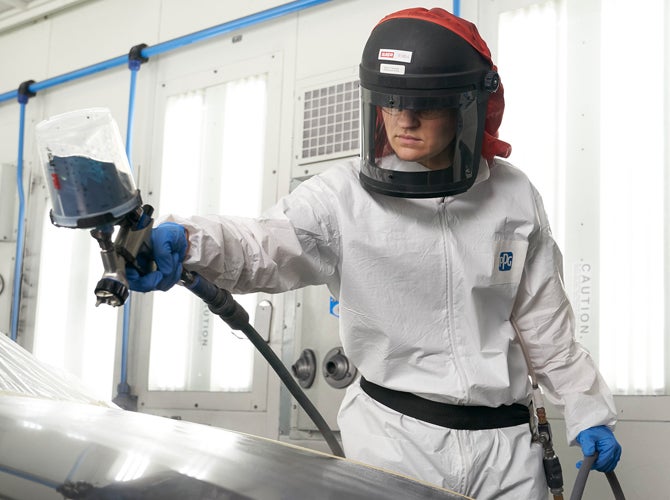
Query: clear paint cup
{"points": [[86, 168]]}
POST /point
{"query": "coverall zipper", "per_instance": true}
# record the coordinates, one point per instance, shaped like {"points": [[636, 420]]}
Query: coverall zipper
{"points": [[446, 233]]}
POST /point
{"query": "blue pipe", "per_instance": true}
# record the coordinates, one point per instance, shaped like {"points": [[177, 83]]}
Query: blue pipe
{"points": [[456, 5], [159, 48], [9, 96], [242, 22], [18, 262], [73, 75], [134, 66]]}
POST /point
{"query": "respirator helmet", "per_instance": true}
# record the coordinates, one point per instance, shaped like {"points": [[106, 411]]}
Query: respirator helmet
{"points": [[432, 64]]}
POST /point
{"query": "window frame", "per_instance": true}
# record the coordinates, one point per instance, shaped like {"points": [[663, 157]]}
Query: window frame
{"points": [[257, 399], [581, 247]]}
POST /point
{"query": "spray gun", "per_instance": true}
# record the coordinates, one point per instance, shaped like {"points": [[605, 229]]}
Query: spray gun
{"points": [[133, 239], [91, 187]]}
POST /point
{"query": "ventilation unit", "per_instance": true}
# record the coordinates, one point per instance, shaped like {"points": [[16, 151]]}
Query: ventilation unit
{"points": [[328, 125]]}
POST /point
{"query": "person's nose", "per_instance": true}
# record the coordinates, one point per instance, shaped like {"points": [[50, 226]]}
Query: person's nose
{"points": [[408, 118]]}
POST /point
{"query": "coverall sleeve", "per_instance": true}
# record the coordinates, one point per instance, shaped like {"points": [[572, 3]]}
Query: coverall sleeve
{"points": [[294, 244], [545, 318]]}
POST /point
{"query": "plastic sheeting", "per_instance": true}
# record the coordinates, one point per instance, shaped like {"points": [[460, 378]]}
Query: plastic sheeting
{"points": [[23, 374], [56, 444], [52, 450]]}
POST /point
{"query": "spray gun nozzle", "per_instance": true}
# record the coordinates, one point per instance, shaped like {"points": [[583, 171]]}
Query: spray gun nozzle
{"points": [[111, 291]]}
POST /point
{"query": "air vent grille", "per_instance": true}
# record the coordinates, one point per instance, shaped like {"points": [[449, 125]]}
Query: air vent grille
{"points": [[330, 122]]}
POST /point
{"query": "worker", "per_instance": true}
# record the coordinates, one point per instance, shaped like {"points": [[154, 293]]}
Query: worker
{"points": [[433, 246]]}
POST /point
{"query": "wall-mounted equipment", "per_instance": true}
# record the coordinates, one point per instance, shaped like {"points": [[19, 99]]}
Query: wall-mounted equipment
{"points": [[337, 370], [326, 125], [304, 369]]}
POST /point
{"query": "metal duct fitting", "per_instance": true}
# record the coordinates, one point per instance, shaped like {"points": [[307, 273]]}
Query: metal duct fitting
{"points": [[305, 368], [337, 369]]}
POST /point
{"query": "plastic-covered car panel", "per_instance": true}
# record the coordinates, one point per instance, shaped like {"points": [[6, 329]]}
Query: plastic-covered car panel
{"points": [[59, 441], [55, 449]]}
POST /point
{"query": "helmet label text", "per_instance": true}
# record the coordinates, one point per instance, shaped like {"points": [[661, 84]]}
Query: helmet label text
{"points": [[404, 56], [393, 69]]}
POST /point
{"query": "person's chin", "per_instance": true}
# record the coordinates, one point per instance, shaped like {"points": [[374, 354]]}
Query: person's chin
{"points": [[407, 154]]}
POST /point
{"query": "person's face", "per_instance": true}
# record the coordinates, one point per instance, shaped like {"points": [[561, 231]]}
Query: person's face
{"points": [[422, 136]]}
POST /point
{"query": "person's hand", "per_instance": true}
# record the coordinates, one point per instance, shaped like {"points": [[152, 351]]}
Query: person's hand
{"points": [[169, 249], [600, 439]]}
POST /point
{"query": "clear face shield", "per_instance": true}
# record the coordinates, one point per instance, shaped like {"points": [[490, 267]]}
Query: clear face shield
{"points": [[421, 146]]}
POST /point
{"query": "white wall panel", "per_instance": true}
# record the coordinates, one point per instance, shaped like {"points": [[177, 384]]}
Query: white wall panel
{"points": [[179, 18], [100, 30], [24, 56], [332, 37]]}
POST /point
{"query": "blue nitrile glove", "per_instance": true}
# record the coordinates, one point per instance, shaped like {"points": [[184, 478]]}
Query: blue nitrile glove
{"points": [[169, 249], [600, 439]]}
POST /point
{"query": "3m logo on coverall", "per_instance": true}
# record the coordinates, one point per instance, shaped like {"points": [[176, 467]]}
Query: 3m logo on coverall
{"points": [[505, 261]]}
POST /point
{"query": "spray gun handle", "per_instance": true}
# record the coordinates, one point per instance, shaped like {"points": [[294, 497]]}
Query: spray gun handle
{"points": [[112, 288], [132, 242]]}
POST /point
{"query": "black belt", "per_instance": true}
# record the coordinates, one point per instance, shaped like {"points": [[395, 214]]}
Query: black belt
{"points": [[446, 415]]}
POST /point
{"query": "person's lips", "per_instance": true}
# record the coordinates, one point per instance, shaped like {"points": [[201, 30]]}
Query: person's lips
{"points": [[407, 140]]}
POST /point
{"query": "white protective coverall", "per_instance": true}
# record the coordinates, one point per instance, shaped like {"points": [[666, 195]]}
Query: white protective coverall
{"points": [[425, 306]]}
